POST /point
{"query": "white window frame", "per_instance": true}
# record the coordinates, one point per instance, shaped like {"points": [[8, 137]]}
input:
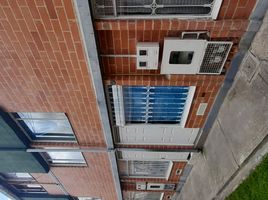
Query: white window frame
{"points": [[53, 161], [213, 14], [30, 135], [119, 106]]}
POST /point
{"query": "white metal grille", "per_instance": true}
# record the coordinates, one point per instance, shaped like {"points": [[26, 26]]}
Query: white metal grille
{"points": [[215, 57], [151, 8], [153, 169]]}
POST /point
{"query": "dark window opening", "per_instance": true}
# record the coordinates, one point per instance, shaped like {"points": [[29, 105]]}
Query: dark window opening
{"points": [[181, 57]]}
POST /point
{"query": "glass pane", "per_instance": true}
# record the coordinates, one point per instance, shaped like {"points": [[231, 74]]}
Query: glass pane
{"points": [[181, 57], [42, 115], [49, 126], [46, 126], [17, 176], [66, 157]]}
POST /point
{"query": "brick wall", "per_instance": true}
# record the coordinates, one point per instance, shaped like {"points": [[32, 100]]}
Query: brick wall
{"points": [[96, 180], [121, 37], [43, 69], [236, 9]]}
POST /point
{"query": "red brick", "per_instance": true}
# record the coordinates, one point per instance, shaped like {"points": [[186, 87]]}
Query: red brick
{"points": [[63, 19], [51, 9], [33, 9], [69, 8]]}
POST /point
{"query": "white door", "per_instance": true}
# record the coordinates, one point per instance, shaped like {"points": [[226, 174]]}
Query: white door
{"points": [[156, 135]]}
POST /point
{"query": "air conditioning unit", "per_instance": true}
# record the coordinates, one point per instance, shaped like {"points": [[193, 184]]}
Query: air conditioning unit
{"points": [[194, 56], [160, 186], [147, 55], [141, 186]]}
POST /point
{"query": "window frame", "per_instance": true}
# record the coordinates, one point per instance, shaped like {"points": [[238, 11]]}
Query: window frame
{"points": [[121, 113], [166, 177], [49, 159], [29, 191], [17, 179], [215, 9], [31, 136]]}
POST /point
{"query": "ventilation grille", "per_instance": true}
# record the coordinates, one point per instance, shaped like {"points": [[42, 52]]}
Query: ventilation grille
{"points": [[215, 57], [143, 169], [152, 8]]}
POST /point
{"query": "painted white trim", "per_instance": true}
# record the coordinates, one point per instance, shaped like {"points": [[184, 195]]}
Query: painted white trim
{"points": [[169, 169], [216, 9], [157, 134], [172, 44], [162, 196], [187, 106], [155, 156], [118, 105]]}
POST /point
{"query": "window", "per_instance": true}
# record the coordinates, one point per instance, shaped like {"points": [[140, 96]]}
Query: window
{"points": [[65, 158], [155, 8], [143, 169], [150, 105], [181, 57], [29, 188], [143, 195], [17, 176], [46, 126]]}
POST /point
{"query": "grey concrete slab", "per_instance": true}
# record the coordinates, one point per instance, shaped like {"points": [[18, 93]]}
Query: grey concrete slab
{"points": [[264, 70], [249, 66], [244, 115], [219, 157], [259, 45], [210, 169], [198, 184]]}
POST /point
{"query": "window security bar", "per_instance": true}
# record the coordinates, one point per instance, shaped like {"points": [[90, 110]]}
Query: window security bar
{"points": [[152, 8]]}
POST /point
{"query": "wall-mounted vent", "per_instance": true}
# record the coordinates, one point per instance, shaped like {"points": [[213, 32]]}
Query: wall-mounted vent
{"points": [[194, 56], [147, 55], [215, 57]]}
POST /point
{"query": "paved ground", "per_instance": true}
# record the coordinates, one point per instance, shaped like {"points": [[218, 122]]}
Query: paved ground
{"points": [[240, 130]]}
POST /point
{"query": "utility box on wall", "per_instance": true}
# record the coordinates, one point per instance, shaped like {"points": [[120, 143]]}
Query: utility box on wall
{"points": [[147, 55]]}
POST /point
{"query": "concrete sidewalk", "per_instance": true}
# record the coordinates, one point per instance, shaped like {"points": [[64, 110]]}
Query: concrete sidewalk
{"points": [[238, 138]]}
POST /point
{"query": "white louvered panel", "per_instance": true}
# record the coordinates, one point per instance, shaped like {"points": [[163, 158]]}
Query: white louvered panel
{"points": [[154, 156], [118, 105], [157, 134]]}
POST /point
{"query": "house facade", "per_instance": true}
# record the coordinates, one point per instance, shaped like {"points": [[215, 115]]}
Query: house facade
{"points": [[107, 99]]}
